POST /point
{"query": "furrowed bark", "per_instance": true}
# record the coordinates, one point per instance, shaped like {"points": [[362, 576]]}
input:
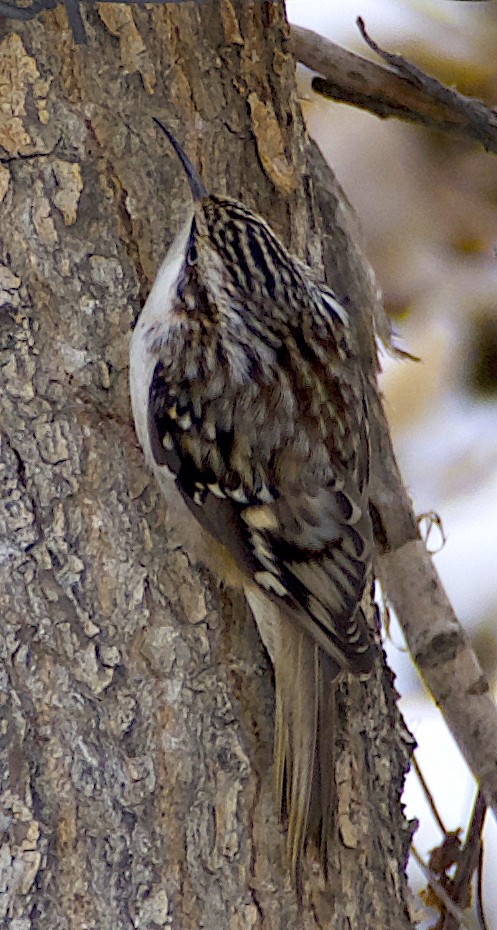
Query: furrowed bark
{"points": [[137, 699]]}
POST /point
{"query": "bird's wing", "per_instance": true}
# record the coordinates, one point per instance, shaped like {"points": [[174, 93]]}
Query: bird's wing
{"points": [[306, 544]]}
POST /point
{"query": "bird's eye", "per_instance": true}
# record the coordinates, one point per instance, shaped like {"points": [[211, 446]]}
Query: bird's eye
{"points": [[192, 254]]}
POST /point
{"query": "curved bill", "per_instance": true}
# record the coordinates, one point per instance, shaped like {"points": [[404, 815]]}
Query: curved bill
{"points": [[194, 180]]}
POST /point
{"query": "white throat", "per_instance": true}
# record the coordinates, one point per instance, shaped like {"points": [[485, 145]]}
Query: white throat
{"points": [[153, 324]]}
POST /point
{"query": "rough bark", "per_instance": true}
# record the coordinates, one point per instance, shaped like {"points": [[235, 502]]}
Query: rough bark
{"points": [[137, 701]]}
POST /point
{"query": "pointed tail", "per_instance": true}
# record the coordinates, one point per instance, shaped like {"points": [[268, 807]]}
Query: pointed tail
{"points": [[304, 743], [304, 739]]}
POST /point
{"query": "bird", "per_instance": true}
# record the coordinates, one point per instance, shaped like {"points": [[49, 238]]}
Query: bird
{"points": [[249, 403]]}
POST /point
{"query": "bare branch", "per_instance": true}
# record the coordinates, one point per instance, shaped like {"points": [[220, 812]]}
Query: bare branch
{"points": [[444, 658], [428, 795], [440, 892], [480, 913], [402, 90], [460, 890]]}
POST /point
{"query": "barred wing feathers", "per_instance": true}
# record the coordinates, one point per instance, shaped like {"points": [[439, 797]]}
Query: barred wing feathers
{"points": [[260, 470]]}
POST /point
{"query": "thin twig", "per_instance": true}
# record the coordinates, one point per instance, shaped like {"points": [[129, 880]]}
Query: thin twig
{"points": [[481, 121], [429, 796], [468, 860], [480, 912], [400, 90], [439, 646], [440, 891]]}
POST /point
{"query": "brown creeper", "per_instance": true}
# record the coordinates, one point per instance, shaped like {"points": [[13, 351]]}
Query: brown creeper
{"points": [[246, 387]]}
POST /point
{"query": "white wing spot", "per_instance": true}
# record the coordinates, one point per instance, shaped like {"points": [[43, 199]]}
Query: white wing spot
{"points": [[185, 421], [264, 553], [238, 495], [167, 442], [210, 430], [261, 518], [265, 496], [216, 490], [354, 636], [268, 581]]}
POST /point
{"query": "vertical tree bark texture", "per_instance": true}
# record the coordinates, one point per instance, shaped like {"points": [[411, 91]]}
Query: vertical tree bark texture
{"points": [[136, 698]]}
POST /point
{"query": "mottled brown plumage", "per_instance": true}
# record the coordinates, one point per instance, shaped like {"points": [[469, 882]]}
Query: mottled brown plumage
{"points": [[246, 386]]}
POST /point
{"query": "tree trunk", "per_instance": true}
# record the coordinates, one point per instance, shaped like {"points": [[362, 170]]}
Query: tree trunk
{"points": [[137, 700]]}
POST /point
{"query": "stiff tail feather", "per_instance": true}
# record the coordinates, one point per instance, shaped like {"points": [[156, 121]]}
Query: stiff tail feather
{"points": [[304, 740], [304, 744]]}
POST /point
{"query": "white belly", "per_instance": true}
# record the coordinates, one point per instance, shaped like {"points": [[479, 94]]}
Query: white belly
{"points": [[141, 369], [152, 328]]}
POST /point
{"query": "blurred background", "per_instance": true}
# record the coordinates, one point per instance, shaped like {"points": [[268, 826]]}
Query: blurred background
{"points": [[427, 205]]}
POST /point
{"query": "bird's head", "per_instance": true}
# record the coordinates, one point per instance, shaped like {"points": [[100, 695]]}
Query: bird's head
{"points": [[200, 245], [232, 249]]}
